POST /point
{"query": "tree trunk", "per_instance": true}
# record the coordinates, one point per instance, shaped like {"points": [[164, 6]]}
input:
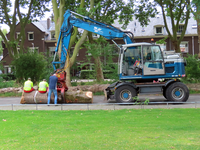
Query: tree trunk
{"points": [[76, 96], [176, 46], [98, 68], [198, 31]]}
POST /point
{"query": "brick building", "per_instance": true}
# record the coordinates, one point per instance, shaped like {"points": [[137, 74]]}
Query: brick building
{"points": [[41, 35]]}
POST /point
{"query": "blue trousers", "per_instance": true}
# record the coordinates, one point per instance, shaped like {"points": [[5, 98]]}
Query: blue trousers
{"points": [[49, 96]]}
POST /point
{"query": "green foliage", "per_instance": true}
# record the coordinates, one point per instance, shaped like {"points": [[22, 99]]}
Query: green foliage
{"points": [[145, 9], [107, 52], [178, 11], [138, 102], [33, 9], [192, 68], [10, 94], [87, 74], [5, 84], [161, 41], [105, 11], [30, 64]]}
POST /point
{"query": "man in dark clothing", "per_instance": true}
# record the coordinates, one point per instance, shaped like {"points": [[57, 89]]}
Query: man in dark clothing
{"points": [[52, 88]]}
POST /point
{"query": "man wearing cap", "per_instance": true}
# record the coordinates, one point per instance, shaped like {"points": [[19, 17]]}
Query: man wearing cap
{"points": [[52, 88], [28, 86], [43, 86]]}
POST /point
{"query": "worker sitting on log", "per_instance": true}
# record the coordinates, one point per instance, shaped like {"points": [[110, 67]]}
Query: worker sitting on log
{"points": [[28, 86], [43, 86]]}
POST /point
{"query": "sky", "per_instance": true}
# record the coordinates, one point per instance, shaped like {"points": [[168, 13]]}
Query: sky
{"points": [[47, 15]]}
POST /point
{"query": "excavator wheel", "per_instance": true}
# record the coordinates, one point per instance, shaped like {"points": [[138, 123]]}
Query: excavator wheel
{"points": [[125, 94], [177, 92]]}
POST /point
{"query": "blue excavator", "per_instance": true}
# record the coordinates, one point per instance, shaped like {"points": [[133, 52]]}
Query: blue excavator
{"points": [[143, 67]]}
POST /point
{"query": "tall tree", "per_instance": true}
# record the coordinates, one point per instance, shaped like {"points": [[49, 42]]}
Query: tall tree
{"points": [[104, 11], [24, 12], [59, 7], [195, 8], [177, 10]]}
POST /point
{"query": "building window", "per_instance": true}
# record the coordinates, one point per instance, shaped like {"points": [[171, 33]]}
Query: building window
{"points": [[30, 36], [52, 51], [17, 34], [143, 30], [194, 26], [53, 35], [7, 70], [158, 30], [184, 47], [180, 29], [32, 49]]}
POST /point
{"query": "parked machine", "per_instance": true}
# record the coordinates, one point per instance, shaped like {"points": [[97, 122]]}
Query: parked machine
{"points": [[143, 67]]}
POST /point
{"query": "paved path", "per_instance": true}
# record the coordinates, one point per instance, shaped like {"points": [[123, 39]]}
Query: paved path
{"points": [[13, 103]]}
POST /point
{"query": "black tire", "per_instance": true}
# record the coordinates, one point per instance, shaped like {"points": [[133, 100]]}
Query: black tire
{"points": [[125, 94], [177, 92], [164, 92]]}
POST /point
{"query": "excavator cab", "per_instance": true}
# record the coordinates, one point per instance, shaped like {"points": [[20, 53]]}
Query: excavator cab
{"points": [[141, 59]]}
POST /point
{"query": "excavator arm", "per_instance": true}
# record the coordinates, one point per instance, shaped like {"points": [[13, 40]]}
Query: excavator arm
{"points": [[86, 23]]}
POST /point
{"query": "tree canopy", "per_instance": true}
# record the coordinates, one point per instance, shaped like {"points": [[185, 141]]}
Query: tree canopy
{"points": [[177, 10], [24, 12]]}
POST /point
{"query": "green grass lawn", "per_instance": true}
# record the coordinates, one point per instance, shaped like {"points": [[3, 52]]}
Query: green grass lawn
{"points": [[117, 129]]}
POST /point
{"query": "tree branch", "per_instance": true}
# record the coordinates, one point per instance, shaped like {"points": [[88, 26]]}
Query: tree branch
{"points": [[6, 13], [165, 21]]}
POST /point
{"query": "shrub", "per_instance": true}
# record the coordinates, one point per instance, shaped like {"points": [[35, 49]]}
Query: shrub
{"points": [[87, 74], [29, 64], [192, 68]]}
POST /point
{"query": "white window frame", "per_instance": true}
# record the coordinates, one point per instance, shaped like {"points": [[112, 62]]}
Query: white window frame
{"points": [[53, 35], [180, 28], [155, 30], [17, 35], [52, 50], [29, 36], [184, 47], [34, 48], [7, 69]]}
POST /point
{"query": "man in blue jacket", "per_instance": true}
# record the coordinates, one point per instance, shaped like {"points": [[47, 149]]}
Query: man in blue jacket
{"points": [[52, 88]]}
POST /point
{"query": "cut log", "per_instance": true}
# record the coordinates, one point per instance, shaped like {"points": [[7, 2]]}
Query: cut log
{"points": [[36, 97], [78, 97], [94, 88]]}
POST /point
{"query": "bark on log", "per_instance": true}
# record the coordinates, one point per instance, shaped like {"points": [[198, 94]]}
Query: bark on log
{"points": [[93, 88], [78, 97], [36, 97]]}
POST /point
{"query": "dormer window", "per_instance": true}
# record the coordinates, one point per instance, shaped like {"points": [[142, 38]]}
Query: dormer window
{"points": [[53, 35], [180, 29], [30, 36], [194, 26], [158, 30]]}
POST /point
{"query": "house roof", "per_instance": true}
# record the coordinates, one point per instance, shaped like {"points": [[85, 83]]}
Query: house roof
{"points": [[42, 25], [139, 31], [134, 26]]}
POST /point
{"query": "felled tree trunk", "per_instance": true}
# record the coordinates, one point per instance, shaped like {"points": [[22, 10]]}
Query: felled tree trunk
{"points": [[78, 97], [36, 97]]}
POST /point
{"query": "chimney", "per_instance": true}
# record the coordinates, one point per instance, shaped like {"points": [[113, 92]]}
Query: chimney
{"points": [[48, 24]]}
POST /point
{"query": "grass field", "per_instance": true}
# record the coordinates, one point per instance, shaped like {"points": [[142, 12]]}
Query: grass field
{"points": [[118, 129]]}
